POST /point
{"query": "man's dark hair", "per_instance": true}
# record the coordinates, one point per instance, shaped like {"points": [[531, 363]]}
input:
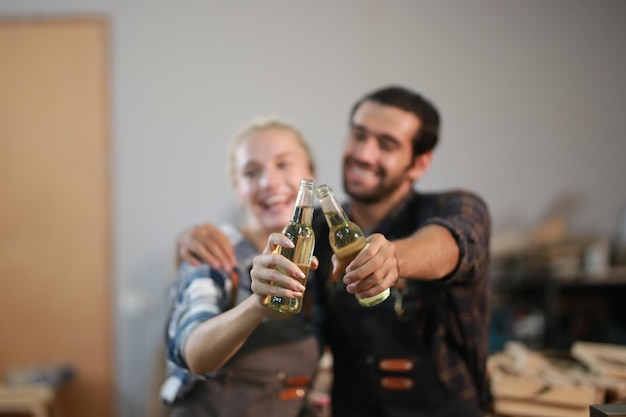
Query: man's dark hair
{"points": [[428, 135]]}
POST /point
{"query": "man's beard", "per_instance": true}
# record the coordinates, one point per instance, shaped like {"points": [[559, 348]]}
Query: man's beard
{"points": [[385, 188]]}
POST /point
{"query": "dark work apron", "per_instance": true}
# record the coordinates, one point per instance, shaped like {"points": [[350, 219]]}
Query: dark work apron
{"points": [[269, 376], [382, 366]]}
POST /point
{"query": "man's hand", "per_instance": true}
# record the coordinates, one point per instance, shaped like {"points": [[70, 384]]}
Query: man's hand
{"points": [[373, 270], [273, 274], [205, 243]]}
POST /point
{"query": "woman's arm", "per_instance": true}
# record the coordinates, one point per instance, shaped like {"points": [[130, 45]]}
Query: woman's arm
{"points": [[212, 341]]}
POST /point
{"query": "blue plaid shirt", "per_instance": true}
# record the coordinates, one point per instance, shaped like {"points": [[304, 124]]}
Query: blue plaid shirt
{"points": [[199, 294]]}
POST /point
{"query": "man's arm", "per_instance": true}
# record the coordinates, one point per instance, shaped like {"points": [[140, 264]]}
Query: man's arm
{"points": [[205, 243], [429, 253], [453, 243]]}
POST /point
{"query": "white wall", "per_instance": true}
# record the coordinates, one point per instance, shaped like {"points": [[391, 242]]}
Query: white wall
{"points": [[533, 98]]}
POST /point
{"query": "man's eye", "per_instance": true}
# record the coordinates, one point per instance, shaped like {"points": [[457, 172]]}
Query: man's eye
{"points": [[358, 135], [284, 165], [387, 145]]}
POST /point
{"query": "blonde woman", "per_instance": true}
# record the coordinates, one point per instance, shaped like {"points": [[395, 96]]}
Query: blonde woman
{"points": [[228, 354]]}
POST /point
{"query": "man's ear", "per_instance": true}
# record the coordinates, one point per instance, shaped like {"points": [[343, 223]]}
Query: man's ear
{"points": [[420, 165]]}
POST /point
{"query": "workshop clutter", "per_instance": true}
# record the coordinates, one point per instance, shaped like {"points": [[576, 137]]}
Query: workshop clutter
{"points": [[528, 383]]}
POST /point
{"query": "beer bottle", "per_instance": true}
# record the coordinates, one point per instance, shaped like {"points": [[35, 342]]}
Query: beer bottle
{"points": [[345, 237], [300, 232]]}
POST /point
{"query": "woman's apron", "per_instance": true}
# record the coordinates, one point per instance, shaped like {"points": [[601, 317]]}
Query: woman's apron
{"points": [[269, 376]]}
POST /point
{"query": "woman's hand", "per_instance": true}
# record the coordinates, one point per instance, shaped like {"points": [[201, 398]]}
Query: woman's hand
{"points": [[274, 275]]}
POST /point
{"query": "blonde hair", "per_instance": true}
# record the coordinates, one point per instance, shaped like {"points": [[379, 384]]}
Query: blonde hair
{"points": [[259, 125]]}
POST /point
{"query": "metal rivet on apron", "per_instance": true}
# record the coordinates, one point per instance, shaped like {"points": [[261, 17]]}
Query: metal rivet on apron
{"points": [[281, 376], [369, 359]]}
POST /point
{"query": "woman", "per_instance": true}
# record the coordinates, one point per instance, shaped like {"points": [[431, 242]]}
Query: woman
{"points": [[228, 354]]}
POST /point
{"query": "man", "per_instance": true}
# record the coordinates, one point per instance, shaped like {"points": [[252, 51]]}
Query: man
{"points": [[423, 351]]}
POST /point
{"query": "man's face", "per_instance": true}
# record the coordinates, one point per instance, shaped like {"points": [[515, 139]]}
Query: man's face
{"points": [[377, 159]]}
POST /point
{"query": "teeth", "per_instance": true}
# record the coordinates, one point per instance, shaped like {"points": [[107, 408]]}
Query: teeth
{"points": [[364, 172], [273, 200]]}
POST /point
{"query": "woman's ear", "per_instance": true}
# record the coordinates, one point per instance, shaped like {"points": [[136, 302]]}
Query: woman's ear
{"points": [[421, 163], [239, 196]]}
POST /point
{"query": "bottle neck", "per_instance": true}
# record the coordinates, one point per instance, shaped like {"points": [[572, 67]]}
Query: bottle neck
{"points": [[333, 211], [303, 209], [302, 214]]}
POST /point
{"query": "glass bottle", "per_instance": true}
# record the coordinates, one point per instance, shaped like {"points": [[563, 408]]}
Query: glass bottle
{"points": [[345, 237], [300, 232]]}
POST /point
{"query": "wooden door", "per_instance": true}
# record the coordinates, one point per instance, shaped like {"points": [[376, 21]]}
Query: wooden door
{"points": [[55, 228]]}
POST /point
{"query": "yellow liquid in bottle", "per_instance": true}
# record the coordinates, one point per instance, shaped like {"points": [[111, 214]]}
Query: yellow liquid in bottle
{"points": [[304, 241], [347, 241], [346, 254]]}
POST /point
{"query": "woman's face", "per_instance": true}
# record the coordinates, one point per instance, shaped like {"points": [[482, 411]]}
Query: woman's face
{"points": [[269, 165]]}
